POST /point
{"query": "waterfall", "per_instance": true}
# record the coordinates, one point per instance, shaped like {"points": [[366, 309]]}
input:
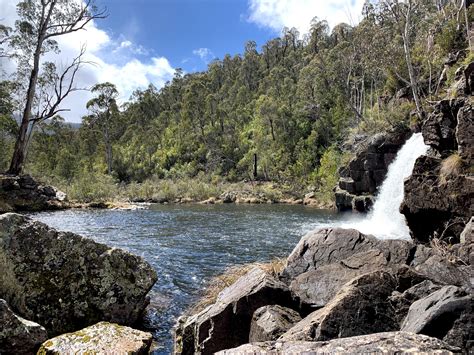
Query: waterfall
{"points": [[385, 221]]}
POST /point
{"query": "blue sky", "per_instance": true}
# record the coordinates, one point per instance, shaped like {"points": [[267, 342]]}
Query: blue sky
{"points": [[143, 42], [189, 33]]}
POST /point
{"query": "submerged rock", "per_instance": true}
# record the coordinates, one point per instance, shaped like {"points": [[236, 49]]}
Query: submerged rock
{"points": [[18, 335], [226, 323], [379, 343], [269, 322], [65, 281], [101, 338]]}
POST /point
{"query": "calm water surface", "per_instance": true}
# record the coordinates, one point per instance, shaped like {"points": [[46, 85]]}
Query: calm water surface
{"points": [[188, 245]]}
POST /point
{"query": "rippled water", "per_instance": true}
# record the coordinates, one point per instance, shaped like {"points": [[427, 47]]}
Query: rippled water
{"points": [[189, 244]]}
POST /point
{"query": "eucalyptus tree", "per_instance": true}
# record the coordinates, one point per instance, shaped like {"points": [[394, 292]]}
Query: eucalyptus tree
{"points": [[104, 113], [40, 23]]}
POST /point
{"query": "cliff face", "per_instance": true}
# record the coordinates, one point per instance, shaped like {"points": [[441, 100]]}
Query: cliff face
{"points": [[367, 170], [438, 195]]}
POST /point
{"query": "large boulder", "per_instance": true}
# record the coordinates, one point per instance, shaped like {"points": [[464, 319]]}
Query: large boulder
{"points": [[226, 323], [360, 307], [326, 246], [18, 335], [101, 338], [465, 133], [65, 281], [269, 322], [317, 286], [23, 193], [436, 315], [367, 170], [379, 343]]}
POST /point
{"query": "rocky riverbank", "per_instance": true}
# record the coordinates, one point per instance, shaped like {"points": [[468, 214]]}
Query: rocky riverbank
{"points": [[58, 282], [342, 290]]}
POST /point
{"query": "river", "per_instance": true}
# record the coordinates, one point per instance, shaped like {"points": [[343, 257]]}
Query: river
{"points": [[189, 244]]}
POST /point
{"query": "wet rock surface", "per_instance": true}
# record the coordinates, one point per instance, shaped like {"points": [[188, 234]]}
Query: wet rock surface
{"points": [[101, 338], [18, 335], [66, 282], [367, 170]]}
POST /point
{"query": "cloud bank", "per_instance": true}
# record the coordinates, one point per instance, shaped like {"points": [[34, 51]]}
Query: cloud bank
{"points": [[276, 14], [117, 60]]}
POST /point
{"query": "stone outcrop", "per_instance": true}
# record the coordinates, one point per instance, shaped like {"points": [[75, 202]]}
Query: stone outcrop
{"points": [[23, 193], [437, 313], [269, 322], [101, 338], [438, 195], [379, 343], [347, 284], [367, 170], [226, 323], [18, 335], [360, 307], [64, 281]]}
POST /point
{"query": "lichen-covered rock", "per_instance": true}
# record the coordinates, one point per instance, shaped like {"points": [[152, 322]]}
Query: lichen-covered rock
{"points": [[18, 335], [101, 338], [23, 193], [65, 281], [360, 307], [324, 247], [379, 343], [226, 323], [435, 315], [269, 322]]}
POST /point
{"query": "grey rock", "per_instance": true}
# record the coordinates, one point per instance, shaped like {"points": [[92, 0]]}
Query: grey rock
{"points": [[465, 133], [23, 193], [402, 301], [435, 314], [467, 235], [101, 338], [318, 286], [324, 247], [226, 323], [444, 271], [360, 307], [379, 343], [269, 322], [65, 281], [18, 335]]}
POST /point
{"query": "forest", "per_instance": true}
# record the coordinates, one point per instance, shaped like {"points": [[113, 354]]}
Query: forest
{"points": [[285, 111]]}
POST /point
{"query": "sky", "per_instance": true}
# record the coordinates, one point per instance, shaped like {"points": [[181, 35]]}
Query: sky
{"points": [[145, 41]]}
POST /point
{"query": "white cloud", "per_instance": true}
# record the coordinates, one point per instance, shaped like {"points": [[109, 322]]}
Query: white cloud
{"points": [[115, 60], [204, 53], [276, 14]]}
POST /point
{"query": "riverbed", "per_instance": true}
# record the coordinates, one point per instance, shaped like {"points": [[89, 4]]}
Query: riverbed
{"points": [[189, 244]]}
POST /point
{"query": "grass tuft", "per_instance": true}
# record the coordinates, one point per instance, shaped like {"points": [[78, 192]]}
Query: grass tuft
{"points": [[450, 167]]}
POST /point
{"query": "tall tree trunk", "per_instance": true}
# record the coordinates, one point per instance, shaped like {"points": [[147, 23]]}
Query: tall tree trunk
{"points": [[19, 153], [411, 71]]}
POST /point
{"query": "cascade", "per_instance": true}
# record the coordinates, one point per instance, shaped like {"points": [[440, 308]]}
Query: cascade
{"points": [[385, 220]]}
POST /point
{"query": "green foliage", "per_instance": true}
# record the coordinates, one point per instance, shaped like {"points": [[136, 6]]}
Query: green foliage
{"points": [[292, 104]]}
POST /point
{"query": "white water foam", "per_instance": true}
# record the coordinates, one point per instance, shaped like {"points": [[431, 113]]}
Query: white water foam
{"points": [[385, 220]]}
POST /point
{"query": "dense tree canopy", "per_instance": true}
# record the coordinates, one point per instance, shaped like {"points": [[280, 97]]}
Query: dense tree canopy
{"points": [[292, 103]]}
